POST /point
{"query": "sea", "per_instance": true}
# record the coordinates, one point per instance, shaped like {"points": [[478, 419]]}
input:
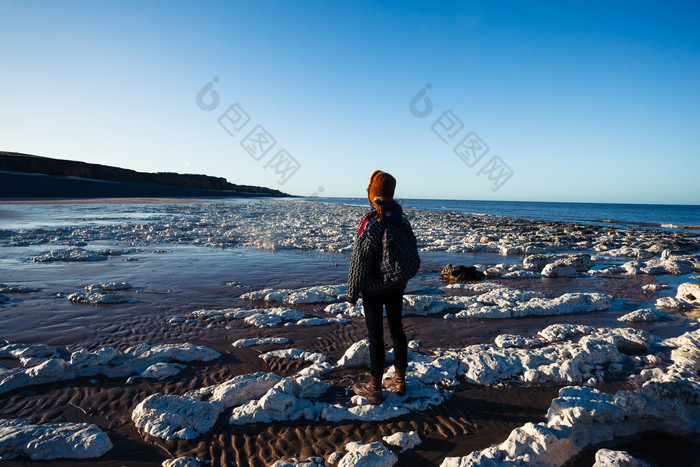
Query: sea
{"points": [[666, 216], [79, 212]]}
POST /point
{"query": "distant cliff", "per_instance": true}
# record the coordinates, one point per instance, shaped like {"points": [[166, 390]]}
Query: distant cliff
{"points": [[23, 175]]}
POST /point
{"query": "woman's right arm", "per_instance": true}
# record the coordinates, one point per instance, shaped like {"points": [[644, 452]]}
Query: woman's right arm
{"points": [[356, 273], [364, 254]]}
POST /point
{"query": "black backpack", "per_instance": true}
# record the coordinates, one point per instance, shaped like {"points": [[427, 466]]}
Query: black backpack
{"points": [[400, 259]]}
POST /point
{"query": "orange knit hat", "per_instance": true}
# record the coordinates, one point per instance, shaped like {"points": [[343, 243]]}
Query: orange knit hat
{"points": [[380, 185]]}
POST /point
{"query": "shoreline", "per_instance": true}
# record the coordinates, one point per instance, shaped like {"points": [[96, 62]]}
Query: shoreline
{"points": [[195, 257], [663, 226]]}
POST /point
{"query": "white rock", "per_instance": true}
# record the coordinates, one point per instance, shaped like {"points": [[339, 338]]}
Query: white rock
{"points": [[315, 321], [494, 272], [475, 287], [558, 265], [294, 462], [429, 304], [614, 269], [689, 292], [442, 369], [347, 309], [476, 458], [295, 354], [334, 458], [496, 303], [171, 416], [260, 341], [418, 397], [261, 320], [108, 286], [273, 317], [295, 397], [654, 287], [237, 390], [188, 416], [629, 252], [287, 400], [181, 462], [581, 417], [667, 266], [610, 458], [412, 288], [162, 370], [507, 297], [367, 455], [71, 254], [569, 303], [179, 352], [510, 340], [31, 361], [356, 355], [315, 294], [685, 356], [97, 298], [671, 302], [107, 361], [45, 442], [643, 315], [559, 269], [536, 262], [47, 372], [28, 350], [405, 441], [316, 370], [521, 274], [4, 288], [554, 364], [226, 313]]}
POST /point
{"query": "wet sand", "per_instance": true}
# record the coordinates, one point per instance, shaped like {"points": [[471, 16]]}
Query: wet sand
{"points": [[174, 280]]}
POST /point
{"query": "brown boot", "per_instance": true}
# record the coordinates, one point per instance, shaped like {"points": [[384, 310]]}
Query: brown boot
{"points": [[396, 384], [371, 391]]}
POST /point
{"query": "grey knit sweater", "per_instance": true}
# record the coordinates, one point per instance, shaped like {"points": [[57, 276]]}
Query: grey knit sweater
{"points": [[385, 255]]}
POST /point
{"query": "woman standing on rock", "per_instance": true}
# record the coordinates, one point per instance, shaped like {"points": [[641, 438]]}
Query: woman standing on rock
{"points": [[384, 258]]}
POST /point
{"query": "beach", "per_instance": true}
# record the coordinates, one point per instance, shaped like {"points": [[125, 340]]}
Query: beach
{"points": [[145, 278]]}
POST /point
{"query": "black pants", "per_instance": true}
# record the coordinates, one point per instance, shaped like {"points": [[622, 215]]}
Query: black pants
{"points": [[375, 330]]}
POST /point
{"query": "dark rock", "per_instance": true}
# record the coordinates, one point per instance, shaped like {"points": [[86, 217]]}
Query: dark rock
{"points": [[461, 274]]}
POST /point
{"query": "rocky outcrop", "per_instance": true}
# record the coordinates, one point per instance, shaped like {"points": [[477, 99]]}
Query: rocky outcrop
{"points": [[558, 265], [687, 296], [690, 292], [46, 442], [17, 164], [669, 264]]}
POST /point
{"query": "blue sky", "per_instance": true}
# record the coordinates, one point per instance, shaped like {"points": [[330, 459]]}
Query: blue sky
{"points": [[587, 102]]}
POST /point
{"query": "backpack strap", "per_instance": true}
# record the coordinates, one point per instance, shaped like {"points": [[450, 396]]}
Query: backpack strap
{"points": [[366, 220]]}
